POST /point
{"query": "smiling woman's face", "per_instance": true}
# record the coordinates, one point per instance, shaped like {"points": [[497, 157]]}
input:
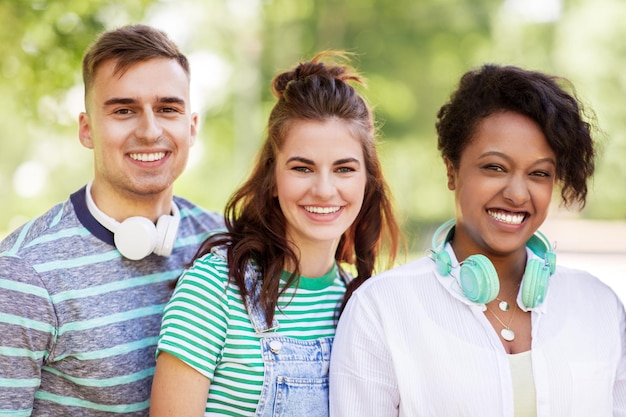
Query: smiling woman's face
{"points": [[320, 182], [503, 186]]}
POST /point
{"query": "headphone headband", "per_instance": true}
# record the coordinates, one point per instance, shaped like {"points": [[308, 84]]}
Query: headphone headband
{"points": [[448, 228]]}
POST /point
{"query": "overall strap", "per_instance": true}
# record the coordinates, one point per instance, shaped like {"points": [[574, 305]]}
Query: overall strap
{"points": [[253, 286]]}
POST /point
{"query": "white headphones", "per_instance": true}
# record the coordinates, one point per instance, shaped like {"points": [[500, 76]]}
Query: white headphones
{"points": [[137, 237]]}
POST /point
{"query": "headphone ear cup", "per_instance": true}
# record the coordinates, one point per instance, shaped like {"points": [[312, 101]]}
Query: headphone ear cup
{"points": [[136, 238], [479, 279], [535, 283], [166, 227], [443, 262]]}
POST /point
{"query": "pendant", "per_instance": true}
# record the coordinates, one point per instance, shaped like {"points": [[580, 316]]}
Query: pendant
{"points": [[504, 306], [507, 334]]}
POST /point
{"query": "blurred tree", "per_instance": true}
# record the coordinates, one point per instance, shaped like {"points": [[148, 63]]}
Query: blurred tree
{"points": [[412, 54], [41, 44]]}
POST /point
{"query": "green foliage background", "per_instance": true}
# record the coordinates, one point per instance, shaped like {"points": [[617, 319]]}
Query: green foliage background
{"points": [[411, 52]]}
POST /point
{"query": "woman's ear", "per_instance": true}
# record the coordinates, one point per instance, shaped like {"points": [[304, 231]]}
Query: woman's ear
{"points": [[451, 174]]}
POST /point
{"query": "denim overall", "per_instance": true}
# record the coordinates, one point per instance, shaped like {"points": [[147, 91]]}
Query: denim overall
{"points": [[296, 371]]}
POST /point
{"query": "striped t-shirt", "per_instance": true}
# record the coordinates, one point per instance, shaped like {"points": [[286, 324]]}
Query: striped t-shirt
{"points": [[206, 325], [79, 324]]}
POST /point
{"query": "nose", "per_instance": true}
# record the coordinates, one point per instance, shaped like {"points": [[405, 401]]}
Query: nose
{"points": [[148, 127], [516, 190], [324, 187]]}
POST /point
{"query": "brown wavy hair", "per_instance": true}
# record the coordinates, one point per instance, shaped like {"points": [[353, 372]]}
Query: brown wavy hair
{"points": [[543, 98], [256, 227]]}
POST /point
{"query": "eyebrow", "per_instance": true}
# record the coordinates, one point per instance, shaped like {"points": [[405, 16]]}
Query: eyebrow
{"points": [[310, 162], [508, 158], [126, 100]]}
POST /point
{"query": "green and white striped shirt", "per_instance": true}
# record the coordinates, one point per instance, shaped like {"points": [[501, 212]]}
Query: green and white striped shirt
{"points": [[206, 325]]}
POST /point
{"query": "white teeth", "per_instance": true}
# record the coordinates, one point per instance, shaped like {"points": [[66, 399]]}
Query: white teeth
{"points": [[507, 217], [321, 210], [147, 157]]}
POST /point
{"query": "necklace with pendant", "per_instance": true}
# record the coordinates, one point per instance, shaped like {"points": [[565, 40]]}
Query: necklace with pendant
{"points": [[504, 305], [507, 333]]}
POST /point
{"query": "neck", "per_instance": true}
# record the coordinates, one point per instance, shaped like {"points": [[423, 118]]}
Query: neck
{"points": [[120, 207], [314, 260], [510, 273]]}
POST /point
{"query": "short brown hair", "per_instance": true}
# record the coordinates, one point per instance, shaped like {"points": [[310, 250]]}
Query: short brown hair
{"points": [[129, 45]]}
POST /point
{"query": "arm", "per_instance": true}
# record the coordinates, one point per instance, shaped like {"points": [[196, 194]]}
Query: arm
{"points": [[27, 328], [362, 378], [195, 314], [619, 389], [178, 390]]}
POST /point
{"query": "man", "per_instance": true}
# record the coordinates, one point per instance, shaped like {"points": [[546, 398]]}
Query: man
{"points": [[83, 286]]}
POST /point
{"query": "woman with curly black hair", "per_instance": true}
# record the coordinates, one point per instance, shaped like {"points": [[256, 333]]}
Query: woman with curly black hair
{"points": [[488, 324]]}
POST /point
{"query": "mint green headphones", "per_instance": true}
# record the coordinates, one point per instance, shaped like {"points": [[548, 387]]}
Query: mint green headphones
{"points": [[478, 277]]}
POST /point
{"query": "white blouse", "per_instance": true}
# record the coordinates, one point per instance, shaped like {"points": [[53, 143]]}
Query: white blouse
{"points": [[410, 344]]}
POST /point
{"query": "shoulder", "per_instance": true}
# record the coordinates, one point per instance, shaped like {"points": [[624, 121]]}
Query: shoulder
{"points": [[401, 278], [50, 228], [217, 257], [576, 296], [581, 284], [389, 297], [35, 243], [206, 285], [211, 268], [194, 216]]}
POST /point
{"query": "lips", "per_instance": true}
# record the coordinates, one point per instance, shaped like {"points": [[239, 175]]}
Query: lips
{"points": [[147, 157], [507, 217], [322, 210]]}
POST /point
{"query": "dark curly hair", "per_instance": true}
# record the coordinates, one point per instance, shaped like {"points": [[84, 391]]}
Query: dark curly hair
{"points": [[313, 90], [541, 97]]}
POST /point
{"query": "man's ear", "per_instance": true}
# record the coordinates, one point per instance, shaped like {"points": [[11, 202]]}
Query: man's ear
{"points": [[194, 129], [84, 130], [450, 173]]}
